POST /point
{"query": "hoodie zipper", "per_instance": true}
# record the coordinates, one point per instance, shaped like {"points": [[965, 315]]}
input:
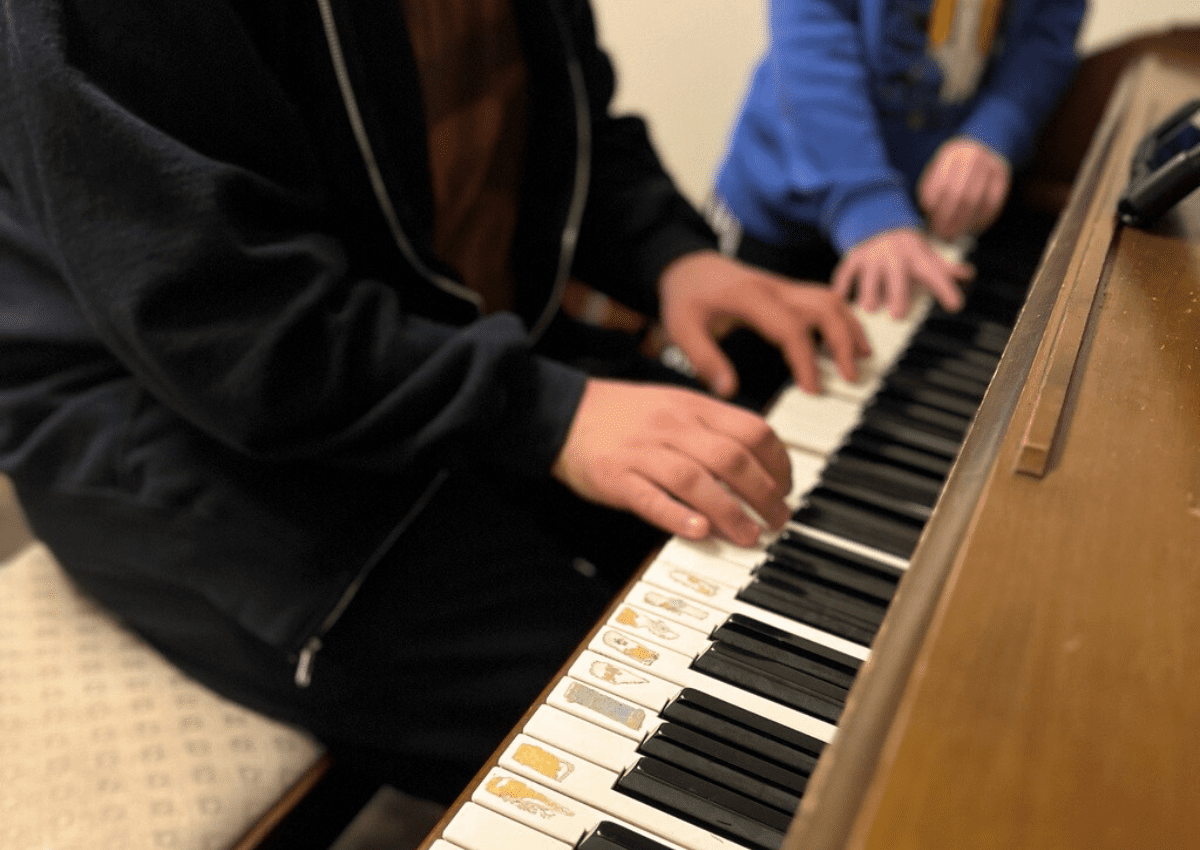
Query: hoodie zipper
{"points": [[568, 239], [579, 189], [308, 652], [367, 152]]}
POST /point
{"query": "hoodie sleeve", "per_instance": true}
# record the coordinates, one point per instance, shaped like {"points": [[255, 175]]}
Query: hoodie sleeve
{"points": [[161, 163], [1009, 111], [837, 161]]}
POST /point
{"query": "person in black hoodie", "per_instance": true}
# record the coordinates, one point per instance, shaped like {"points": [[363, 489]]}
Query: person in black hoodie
{"points": [[284, 381]]}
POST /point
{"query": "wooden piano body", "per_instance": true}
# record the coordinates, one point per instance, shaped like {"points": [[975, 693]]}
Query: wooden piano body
{"points": [[1035, 683]]}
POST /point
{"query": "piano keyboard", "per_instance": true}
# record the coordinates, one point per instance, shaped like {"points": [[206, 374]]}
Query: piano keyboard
{"points": [[698, 711]]}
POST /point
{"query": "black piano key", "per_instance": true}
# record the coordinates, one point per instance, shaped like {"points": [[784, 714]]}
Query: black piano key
{"points": [[950, 420], [992, 336], [847, 617], [808, 554], [768, 770], [760, 366], [770, 679], [881, 446], [958, 377], [744, 729], [909, 386], [955, 374], [972, 331], [806, 655], [1003, 296], [878, 496], [841, 597], [723, 765], [954, 348], [853, 466], [705, 803], [929, 420], [890, 428], [613, 836], [827, 511], [798, 671]]}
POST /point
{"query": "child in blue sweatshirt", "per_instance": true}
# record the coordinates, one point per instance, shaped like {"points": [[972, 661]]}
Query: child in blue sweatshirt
{"points": [[870, 124]]}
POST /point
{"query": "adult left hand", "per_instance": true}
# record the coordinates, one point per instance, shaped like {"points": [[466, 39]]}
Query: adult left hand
{"points": [[705, 295], [963, 188]]}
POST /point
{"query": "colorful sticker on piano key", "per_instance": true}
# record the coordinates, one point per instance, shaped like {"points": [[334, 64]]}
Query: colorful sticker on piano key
{"points": [[515, 792], [650, 692], [631, 649], [636, 620], [684, 639], [614, 675], [543, 761], [694, 583], [675, 605], [605, 705]]}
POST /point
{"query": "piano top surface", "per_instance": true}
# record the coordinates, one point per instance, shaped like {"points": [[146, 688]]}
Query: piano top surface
{"points": [[1056, 700]]}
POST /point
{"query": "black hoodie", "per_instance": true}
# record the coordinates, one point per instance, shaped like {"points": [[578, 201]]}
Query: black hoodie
{"points": [[222, 331]]}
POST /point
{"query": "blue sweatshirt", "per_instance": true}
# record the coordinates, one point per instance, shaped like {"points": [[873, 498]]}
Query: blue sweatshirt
{"points": [[847, 107]]}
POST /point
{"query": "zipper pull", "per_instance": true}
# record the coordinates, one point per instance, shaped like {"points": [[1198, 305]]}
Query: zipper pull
{"points": [[303, 677]]}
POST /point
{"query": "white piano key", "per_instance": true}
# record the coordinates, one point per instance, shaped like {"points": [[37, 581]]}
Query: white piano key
{"points": [[639, 686], [956, 251], [681, 551], [535, 806], [442, 844], [593, 785], [806, 472], [888, 340], [616, 643], [890, 337], [586, 740], [701, 572], [652, 627], [598, 706], [653, 694], [475, 827], [815, 423]]}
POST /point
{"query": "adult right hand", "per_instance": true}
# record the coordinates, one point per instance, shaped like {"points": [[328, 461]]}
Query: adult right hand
{"points": [[889, 266], [679, 459]]}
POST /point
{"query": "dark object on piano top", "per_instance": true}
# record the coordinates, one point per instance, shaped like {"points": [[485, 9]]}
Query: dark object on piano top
{"points": [[1166, 167]]}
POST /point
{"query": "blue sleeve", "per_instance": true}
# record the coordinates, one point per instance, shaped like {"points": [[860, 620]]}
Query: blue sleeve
{"points": [[836, 153], [1009, 110]]}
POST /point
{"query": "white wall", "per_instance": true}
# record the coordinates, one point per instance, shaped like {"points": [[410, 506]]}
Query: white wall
{"points": [[684, 65]]}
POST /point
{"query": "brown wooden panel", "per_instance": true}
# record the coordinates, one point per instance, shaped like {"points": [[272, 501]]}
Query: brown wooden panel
{"points": [[1056, 703]]}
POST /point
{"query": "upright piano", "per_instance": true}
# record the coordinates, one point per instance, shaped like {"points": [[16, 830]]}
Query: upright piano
{"points": [[982, 626]]}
